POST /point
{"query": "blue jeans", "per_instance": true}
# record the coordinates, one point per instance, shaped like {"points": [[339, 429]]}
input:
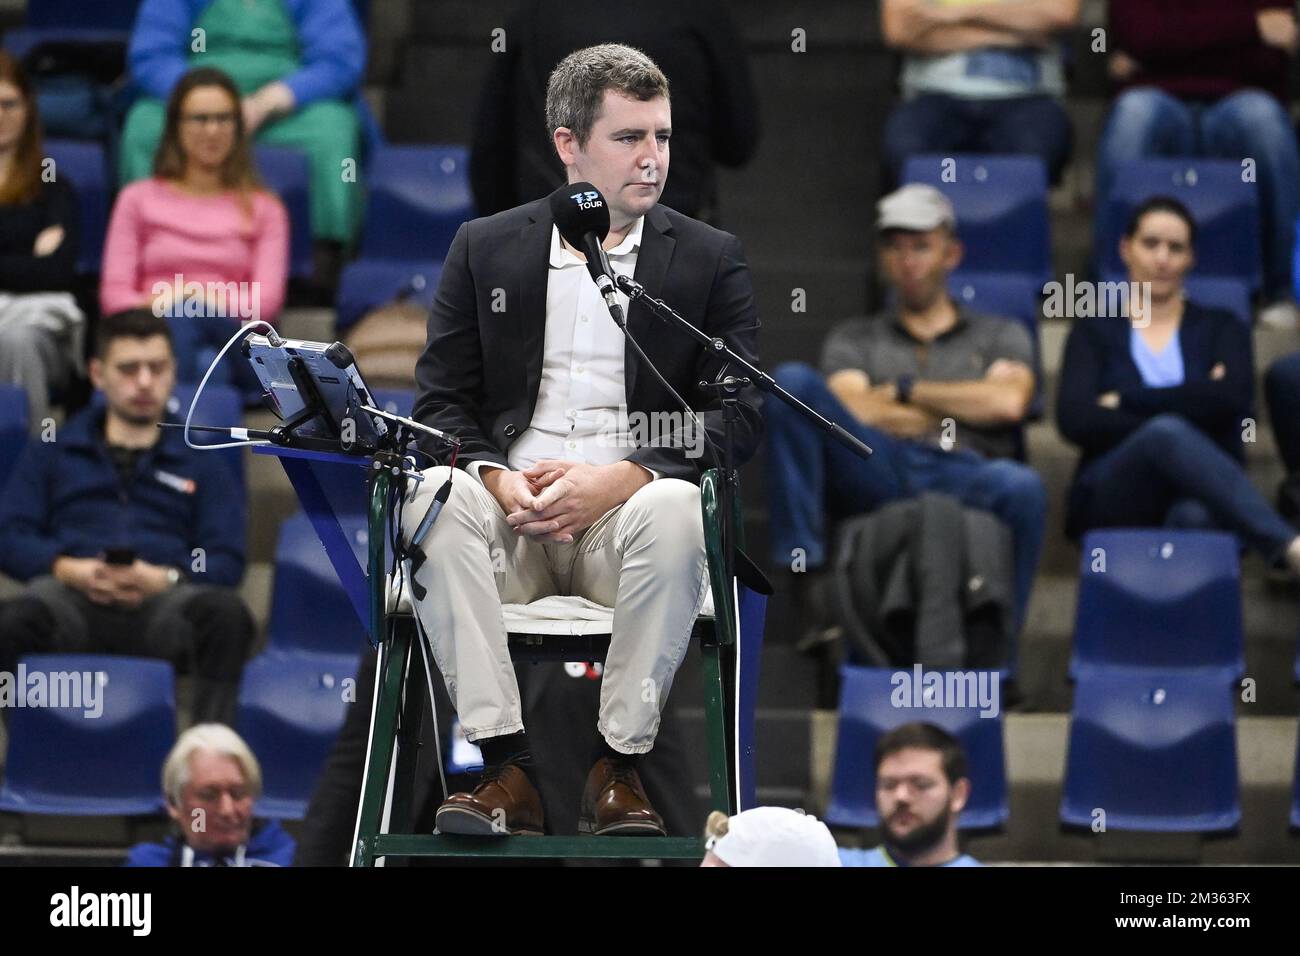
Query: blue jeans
{"points": [[1146, 122], [934, 123], [809, 473], [1170, 472], [1282, 390]]}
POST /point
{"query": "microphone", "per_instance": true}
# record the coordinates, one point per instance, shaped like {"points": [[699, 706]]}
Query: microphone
{"points": [[582, 216]]}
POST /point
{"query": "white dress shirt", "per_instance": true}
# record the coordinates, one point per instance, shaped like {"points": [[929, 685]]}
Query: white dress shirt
{"points": [[581, 411]]}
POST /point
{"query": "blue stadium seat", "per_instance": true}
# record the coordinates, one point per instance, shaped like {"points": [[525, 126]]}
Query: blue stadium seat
{"points": [[55, 21], [291, 706], [368, 283], [61, 761], [287, 172], [100, 15], [221, 405], [1225, 208], [418, 198], [84, 164], [1155, 751], [1001, 206], [1221, 292], [309, 609], [866, 713], [1013, 295], [1167, 600], [13, 429]]}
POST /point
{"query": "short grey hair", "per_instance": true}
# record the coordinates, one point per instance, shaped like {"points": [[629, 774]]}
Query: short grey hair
{"points": [[219, 739], [577, 86]]}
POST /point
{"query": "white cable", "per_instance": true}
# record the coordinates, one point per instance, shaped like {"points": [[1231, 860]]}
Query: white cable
{"points": [[203, 384]]}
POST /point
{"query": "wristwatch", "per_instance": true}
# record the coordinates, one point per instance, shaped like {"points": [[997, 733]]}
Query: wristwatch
{"points": [[173, 577], [903, 388]]}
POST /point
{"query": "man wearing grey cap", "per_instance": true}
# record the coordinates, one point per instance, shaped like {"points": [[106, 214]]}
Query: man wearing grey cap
{"points": [[937, 391]]}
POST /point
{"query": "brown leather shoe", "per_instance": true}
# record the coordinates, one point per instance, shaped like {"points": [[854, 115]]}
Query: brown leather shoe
{"points": [[504, 803], [614, 803]]}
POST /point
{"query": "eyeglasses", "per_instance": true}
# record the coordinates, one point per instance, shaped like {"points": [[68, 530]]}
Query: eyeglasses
{"points": [[203, 119]]}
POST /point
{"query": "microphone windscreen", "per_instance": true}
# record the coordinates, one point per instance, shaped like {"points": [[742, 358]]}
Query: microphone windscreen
{"points": [[579, 208]]}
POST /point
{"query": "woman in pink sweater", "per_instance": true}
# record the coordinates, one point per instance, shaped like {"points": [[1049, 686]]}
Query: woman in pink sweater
{"points": [[202, 241]]}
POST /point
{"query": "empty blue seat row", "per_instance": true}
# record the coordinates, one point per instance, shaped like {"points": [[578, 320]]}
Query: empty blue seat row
{"points": [[291, 706], [1152, 751], [64, 760], [1002, 215], [368, 283], [1001, 208], [309, 609], [1159, 598], [101, 752]]}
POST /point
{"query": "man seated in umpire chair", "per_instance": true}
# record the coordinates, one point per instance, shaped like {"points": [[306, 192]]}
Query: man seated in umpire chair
{"points": [[563, 490]]}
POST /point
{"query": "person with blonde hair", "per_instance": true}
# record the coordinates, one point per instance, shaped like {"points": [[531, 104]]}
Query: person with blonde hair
{"points": [[211, 780], [768, 836]]}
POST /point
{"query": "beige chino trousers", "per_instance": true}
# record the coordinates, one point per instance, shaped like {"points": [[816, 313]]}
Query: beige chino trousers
{"points": [[644, 558]]}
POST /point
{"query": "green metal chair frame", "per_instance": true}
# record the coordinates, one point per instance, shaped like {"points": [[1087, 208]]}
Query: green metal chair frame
{"points": [[395, 719]]}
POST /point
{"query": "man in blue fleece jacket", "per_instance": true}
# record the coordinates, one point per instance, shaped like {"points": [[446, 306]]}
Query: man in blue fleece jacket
{"points": [[131, 542]]}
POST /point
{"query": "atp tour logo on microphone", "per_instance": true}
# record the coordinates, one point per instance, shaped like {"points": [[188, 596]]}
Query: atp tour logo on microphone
{"points": [[588, 199]]}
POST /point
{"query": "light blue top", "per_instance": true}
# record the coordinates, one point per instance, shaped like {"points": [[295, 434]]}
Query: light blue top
{"points": [[1158, 370], [987, 73], [879, 857]]}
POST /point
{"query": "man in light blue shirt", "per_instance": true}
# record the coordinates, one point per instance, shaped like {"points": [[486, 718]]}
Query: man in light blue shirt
{"points": [[921, 788]]}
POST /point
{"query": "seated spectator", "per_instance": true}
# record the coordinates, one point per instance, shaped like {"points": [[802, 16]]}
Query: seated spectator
{"points": [[1157, 403], [921, 788], [1208, 78], [768, 836], [695, 43], [211, 781], [938, 392], [201, 242], [131, 542], [979, 76], [41, 327], [298, 65], [1282, 391]]}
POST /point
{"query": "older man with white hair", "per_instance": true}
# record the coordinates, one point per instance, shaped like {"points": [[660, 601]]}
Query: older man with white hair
{"points": [[211, 780]]}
